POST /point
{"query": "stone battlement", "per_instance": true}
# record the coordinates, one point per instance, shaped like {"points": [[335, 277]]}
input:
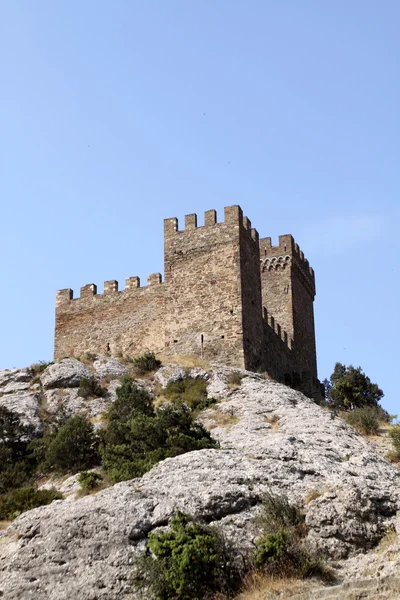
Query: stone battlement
{"points": [[227, 296]]}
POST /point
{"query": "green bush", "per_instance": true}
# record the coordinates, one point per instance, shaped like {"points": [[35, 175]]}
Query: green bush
{"points": [[365, 419], [138, 436], [89, 387], [271, 547], [89, 480], [190, 561], [73, 448], [281, 549], [395, 437], [146, 362], [191, 391], [17, 501], [15, 467]]}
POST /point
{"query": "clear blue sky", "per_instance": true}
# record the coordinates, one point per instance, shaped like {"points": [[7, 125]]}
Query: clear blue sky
{"points": [[103, 134]]}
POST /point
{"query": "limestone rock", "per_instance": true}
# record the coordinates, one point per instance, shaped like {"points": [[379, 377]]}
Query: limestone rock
{"points": [[73, 404], [272, 439], [14, 380], [27, 405], [172, 372], [108, 367], [66, 373]]}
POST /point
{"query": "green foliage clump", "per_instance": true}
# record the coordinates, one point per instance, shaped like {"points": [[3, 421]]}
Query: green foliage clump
{"points": [[89, 480], [365, 420], [15, 437], [17, 501], [73, 447], [190, 561], [281, 550], [191, 391], [146, 362], [39, 367], [139, 436], [89, 387], [349, 388], [395, 437]]}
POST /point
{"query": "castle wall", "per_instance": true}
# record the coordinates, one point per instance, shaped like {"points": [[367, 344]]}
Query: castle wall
{"points": [[125, 322], [215, 303]]}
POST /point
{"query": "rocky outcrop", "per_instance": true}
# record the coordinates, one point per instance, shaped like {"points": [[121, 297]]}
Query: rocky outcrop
{"points": [[66, 373], [272, 439]]}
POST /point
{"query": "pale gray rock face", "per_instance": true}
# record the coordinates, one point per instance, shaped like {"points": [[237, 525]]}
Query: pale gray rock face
{"points": [[108, 367], [66, 373], [170, 373], [14, 380], [272, 439], [27, 405], [73, 404]]}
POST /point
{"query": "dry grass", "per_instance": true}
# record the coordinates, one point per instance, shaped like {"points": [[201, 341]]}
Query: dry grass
{"points": [[312, 495], [223, 419], [273, 420], [258, 585], [188, 362], [235, 380], [387, 540], [4, 524]]}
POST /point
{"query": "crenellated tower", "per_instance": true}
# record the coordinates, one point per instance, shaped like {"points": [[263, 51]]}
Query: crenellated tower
{"points": [[288, 292]]}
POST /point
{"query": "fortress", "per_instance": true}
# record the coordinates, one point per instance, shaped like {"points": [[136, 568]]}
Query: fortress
{"points": [[227, 296]]}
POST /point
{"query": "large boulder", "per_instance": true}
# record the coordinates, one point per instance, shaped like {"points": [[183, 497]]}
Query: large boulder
{"points": [[27, 405], [273, 439], [108, 367], [66, 373]]}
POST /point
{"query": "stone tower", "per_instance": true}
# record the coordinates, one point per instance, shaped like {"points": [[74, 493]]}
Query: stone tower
{"points": [[288, 292]]}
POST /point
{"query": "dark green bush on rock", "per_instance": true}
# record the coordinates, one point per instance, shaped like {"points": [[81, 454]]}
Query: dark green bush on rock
{"points": [[191, 391], [15, 466], [89, 480], [190, 561], [17, 501], [146, 362], [73, 448], [89, 387], [138, 436]]}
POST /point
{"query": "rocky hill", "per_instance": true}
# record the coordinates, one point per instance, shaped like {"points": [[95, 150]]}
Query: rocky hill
{"points": [[272, 439]]}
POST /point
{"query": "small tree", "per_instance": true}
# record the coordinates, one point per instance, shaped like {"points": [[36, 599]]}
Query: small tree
{"points": [[349, 388], [15, 467], [74, 447]]}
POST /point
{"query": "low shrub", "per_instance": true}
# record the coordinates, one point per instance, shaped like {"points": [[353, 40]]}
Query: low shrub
{"points": [[39, 367], [19, 500], [281, 550], [89, 387], [365, 420], [146, 362], [190, 561], [73, 448], [191, 391], [89, 480], [395, 437], [235, 379]]}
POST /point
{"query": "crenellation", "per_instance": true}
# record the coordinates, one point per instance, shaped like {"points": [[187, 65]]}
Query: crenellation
{"points": [[154, 279], [246, 223], [64, 296], [111, 286], [89, 290], [132, 283], [210, 218], [191, 221], [227, 295]]}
